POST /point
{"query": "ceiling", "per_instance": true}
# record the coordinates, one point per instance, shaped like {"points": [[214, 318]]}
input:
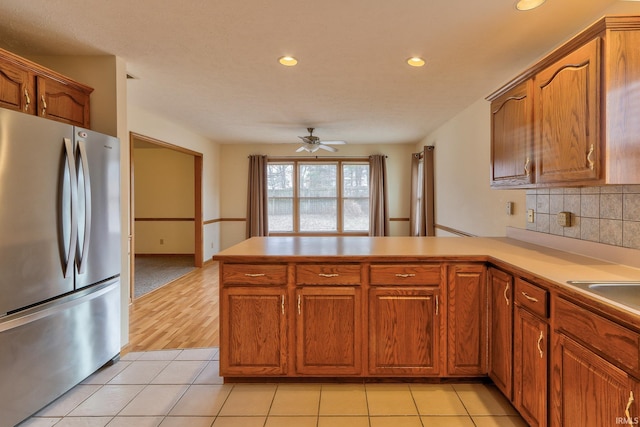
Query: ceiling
{"points": [[211, 65]]}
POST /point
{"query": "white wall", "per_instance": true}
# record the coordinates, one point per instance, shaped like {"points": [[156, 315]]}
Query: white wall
{"points": [[235, 166], [153, 126], [463, 198], [163, 188]]}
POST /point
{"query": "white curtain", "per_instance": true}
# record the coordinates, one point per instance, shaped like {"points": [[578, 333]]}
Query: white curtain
{"points": [[422, 212]]}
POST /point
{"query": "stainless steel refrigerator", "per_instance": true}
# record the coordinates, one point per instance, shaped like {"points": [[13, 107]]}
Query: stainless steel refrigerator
{"points": [[59, 259]]}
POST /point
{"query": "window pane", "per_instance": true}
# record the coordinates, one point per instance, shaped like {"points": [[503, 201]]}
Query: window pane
{"points": [[355, 179], [318, 180], [318, 197], [318, 214], [355, 214], [280, 196], [355, 191], [280, 180]]}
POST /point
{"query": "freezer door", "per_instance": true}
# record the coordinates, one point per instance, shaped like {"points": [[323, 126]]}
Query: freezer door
{"points": [[98, 165], [35, 210]]}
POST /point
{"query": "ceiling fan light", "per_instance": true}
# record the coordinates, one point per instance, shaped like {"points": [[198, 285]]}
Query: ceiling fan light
{"points": [[288, 61], [415, 61], [528, 4]]}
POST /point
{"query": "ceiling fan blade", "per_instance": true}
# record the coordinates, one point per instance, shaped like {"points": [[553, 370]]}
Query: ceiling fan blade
{"points": [[328, 148], [334, 142], [302, 149]]}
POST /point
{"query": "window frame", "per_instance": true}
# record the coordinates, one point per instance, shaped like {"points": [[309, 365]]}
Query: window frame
{"points": [[339, 162]]}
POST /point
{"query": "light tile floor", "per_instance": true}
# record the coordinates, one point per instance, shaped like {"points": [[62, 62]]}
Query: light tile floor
{"points": [[176, 388]]}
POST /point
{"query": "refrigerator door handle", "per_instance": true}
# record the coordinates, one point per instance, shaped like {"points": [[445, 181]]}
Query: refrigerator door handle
{"points": [[70, 261], [82, 264]]}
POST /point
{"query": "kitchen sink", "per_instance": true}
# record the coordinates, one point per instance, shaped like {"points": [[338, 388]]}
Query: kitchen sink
{"points": [[626, 293]]}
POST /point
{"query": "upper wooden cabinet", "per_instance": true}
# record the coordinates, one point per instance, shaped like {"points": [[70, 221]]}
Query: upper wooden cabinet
{"points": [[16, 88], [585, 98], [33, 89], [567, 101], [512, 137]]}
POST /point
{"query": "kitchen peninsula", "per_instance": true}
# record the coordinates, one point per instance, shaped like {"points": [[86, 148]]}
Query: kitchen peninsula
{"points": [[434, 308]]}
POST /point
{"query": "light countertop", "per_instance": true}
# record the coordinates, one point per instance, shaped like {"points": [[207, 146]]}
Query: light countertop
{"points": [[549, 264]]}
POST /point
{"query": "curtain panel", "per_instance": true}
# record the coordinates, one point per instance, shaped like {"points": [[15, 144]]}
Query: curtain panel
{"points": [[422, 212], [257, 218], [378, 203]]}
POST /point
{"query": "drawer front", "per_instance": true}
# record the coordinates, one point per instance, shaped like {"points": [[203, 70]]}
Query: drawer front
{"points": [[614, 342], [328, 274], [254, 274], [532, 297], [406, 274]]}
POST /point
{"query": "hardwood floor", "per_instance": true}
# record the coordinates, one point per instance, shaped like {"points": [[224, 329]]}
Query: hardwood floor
{"points": [[182, 314]]}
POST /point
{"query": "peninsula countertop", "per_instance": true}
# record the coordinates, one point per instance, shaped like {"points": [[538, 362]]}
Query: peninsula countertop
{"points": [[552, 265]]}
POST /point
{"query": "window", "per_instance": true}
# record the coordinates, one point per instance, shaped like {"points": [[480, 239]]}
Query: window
{"points": [[307, 196]]}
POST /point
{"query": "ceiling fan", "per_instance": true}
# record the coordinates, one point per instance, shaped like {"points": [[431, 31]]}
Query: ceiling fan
{"points": [[311, 143]]}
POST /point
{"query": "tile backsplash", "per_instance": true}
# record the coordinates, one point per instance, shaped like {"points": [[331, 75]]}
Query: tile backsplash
{"points": [[609, 214]]}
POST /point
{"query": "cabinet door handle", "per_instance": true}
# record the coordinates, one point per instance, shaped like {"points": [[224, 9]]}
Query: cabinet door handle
{"points": [[589, 157], [27, 100], [540, 338], [437, 305], [282, 303], [44, 105], [255, 274], [626, 411], [299, 303], [529, 297], [527, 167], [506, 289], [405, 275], [328, 275]]}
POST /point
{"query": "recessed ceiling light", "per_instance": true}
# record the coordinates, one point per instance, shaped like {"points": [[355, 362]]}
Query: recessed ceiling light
{"points": [[288, 61], [528, 4], [415, 61]]}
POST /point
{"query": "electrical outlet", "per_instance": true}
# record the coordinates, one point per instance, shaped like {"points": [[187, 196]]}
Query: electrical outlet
{"points": [[509, 208], [564, 219], [530, 215], [162, 241]]}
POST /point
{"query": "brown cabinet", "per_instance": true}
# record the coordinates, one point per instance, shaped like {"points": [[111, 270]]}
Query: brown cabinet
{"points": [[405, 321], [594, 362], [588, 390], [253, 331], [501, 330], [59, 101], [33, 89], [512, 158], [404, 331], [466, 320], [585, 104], [567, 131], [16, 87], [531, 353], [328, 331]]}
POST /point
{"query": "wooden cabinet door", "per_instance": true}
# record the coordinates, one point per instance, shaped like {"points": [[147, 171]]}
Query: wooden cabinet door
{"points": [[253, 331], [501, 330], [567, 136], [530, 367], [61, 102], [328, 331], [16, 88], [512, 137], [466, 320], [588, 391], [405, 331]]}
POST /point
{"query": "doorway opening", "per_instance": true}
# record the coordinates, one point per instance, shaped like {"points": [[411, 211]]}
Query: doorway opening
{"points": [[166, 213]]}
